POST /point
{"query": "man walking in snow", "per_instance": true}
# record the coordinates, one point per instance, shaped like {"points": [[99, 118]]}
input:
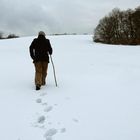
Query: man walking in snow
{"points": [[39, 50]]}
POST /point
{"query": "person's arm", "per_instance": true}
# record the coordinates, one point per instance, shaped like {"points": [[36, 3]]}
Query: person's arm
{"points": [[31, 49]]}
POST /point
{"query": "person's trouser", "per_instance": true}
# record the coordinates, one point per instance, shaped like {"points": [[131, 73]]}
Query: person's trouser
{"points": [[40, 72]]}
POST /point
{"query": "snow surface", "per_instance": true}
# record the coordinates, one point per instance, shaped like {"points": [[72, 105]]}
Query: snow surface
{"points": [[98, 97]]}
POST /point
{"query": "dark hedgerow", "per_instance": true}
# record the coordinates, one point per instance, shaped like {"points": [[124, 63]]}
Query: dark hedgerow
{"points": [[119, 27]]}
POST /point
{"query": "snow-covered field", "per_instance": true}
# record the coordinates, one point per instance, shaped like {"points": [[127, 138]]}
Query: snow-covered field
{"points": [[98, 97]]}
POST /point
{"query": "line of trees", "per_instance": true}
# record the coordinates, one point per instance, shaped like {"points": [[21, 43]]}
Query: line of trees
{"points": [[8, 37], [119, 27]]}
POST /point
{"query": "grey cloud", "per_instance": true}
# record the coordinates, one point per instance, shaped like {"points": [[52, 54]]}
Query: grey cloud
{"points": [[56, 16]]}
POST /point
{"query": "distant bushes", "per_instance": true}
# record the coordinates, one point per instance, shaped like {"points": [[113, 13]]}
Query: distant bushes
{"points": [[119, 27], [64, 34], [12, 36], [8, 37]]}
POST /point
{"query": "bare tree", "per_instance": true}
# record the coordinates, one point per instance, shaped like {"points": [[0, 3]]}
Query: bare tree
{"points": [[12, 36], [136, 22], [108, 28], [119, 27]]}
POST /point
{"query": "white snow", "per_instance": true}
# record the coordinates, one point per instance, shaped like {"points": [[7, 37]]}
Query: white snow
{"points": [[97, 98]]}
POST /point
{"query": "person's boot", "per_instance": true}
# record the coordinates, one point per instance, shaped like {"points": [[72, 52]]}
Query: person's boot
{"points": [[38, 87]]}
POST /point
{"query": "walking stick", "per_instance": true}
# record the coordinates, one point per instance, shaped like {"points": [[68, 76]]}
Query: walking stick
{"points": [[53, 71]]}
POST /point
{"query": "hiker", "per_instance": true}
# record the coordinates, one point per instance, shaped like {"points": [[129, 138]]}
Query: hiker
{"points": [[40, 49]]}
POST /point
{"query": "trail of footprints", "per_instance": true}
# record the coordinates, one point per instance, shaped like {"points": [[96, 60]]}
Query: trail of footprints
{"points": [[42, 121]]}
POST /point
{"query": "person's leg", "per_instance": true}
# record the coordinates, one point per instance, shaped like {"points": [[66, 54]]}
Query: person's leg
{"points": [[44, 72], [38, 74]]}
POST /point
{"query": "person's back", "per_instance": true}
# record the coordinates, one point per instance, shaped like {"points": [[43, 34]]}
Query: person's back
{"points": [[39, 49]]}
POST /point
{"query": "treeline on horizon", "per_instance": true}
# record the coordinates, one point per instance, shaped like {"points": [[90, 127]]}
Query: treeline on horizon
{"points": [[54, 34], [119, 27], [7, 37]]}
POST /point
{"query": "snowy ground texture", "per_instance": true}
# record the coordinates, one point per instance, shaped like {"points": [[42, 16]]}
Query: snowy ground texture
{"points": [[98, 97]]}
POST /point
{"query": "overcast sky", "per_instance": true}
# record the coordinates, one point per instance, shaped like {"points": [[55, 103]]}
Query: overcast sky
{"points": [[27, 17]]}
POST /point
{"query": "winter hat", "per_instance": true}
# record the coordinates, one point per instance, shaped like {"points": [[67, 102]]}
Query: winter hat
{"points": [[41, 33]]}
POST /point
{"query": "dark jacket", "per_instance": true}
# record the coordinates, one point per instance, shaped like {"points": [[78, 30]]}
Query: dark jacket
{"points": [[39, 49]]}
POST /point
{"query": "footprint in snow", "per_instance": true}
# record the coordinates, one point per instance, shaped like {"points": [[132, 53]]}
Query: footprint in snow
{"points": [[75, 120], [41, 119], [43, 94], [63, 130], [49, 108], [38, 100], [48, 138], [44, 104], [51, 132]]}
